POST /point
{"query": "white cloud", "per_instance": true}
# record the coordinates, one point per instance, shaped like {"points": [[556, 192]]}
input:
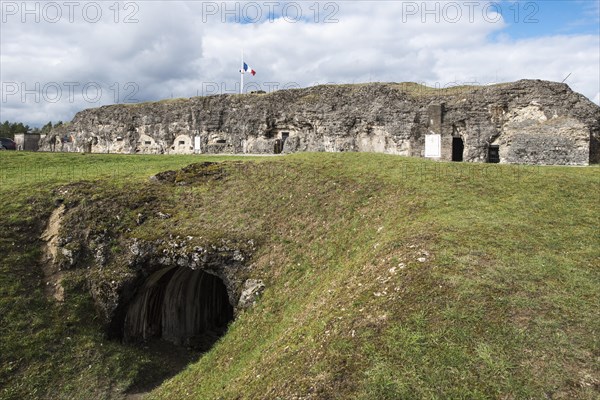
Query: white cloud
{"points": [[549, 58], [177, 50]]}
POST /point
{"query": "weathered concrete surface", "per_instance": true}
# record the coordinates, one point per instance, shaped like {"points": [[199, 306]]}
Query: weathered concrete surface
{"points": [[28, 142], [251, 291], [534, 122]]}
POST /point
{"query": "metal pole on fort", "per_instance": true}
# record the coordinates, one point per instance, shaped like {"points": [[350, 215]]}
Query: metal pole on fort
{"points": [[242, 74]]}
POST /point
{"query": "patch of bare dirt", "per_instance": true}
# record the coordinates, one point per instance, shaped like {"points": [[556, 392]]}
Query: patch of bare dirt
{"points": [[52, 275]]}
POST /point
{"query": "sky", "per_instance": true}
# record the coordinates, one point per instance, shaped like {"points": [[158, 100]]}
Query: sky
{"points": [[60, 57]]}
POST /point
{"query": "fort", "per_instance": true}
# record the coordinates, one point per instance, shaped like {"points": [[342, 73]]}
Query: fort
{"points": [[523, 122]]}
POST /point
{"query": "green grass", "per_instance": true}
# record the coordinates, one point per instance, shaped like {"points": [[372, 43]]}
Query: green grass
{"points": [[387, 278]]}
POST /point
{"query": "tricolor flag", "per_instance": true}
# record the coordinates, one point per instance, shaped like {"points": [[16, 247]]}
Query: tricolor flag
{"points": [[248, 69]]}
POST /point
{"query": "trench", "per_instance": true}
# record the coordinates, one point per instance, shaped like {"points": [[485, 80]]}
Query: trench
{"points": [[176, 315]]}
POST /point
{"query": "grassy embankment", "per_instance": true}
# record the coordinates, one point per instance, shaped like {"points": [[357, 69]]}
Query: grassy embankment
{"points": [[387, 278]]}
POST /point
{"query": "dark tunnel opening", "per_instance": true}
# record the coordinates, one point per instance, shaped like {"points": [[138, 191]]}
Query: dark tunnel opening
{"points": [[458, 147], [179, 305]]}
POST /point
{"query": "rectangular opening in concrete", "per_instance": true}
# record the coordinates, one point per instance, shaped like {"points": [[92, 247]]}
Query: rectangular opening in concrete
{"points": [[278, 147], [284, 137], [493, 154], [458, 146]]}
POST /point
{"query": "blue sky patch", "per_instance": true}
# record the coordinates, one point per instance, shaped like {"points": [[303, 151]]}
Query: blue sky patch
{"points": [[526, 19]]}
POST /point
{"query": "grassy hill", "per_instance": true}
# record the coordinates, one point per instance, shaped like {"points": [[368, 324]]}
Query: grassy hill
{"points": [[386, 278]]}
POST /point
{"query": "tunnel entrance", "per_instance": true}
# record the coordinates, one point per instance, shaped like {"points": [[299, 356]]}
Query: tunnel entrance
{"points": [[183, 306], [458, 146]]}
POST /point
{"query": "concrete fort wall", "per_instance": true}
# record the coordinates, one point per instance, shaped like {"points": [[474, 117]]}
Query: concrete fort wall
{"points": [[528, 122]]}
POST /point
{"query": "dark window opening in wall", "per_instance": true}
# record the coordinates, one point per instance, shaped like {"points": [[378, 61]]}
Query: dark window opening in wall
{"points": [[182, 142], [458, 146], [221, 141], [494, 154], [147, 142], [119, 139], [269, 134]]}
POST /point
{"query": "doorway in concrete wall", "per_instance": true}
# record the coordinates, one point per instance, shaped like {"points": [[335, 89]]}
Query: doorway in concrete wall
{"points": [[494, 154], [277, 147], [284, 137], [279, 143], [458, 147]]}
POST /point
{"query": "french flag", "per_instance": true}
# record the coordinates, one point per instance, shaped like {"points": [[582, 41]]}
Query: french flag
{"points": [[248, 69]]}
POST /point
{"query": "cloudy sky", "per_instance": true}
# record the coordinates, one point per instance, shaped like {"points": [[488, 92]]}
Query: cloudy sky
{"points": [[61, 57]]}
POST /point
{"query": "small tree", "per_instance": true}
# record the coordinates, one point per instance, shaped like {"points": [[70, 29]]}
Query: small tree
{"points": [[46, 128]]}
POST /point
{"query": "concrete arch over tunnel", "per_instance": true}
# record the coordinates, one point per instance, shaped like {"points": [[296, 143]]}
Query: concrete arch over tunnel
{"points": [[180, 305]]}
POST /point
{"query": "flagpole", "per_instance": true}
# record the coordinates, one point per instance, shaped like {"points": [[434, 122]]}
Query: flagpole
{"points": [[242, 74]]}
